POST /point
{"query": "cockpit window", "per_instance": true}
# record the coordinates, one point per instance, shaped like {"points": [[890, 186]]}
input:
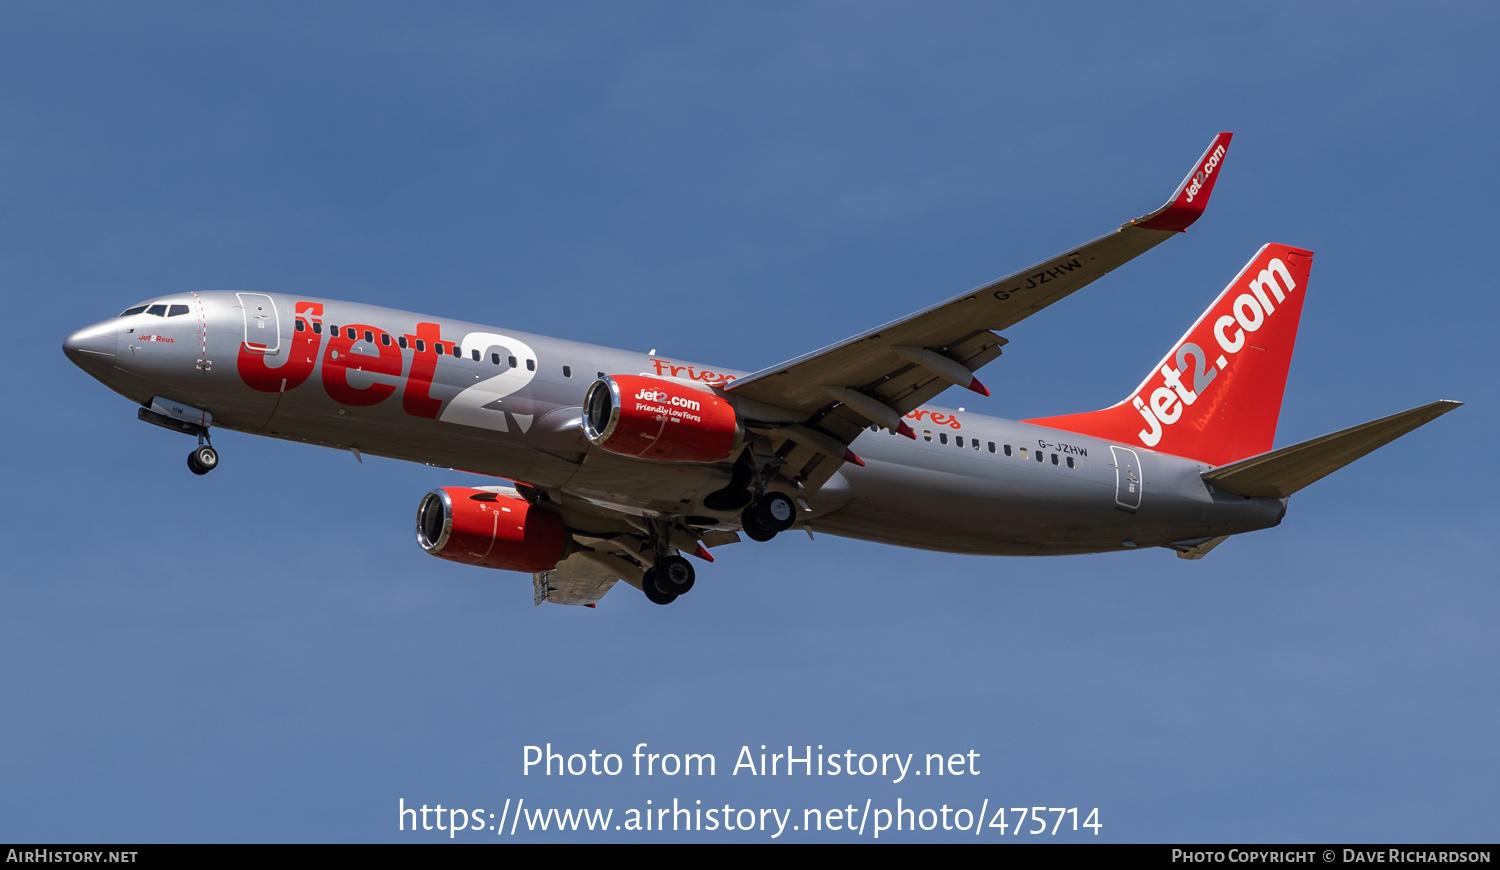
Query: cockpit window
{"points": [[129, 311], [176, 310], [158, 310]]}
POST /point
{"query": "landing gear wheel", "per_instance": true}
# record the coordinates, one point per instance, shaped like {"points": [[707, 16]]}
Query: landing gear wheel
{"points": [[653, 592], [203, 460], [775, 511], [674, 575], [752, 528]]}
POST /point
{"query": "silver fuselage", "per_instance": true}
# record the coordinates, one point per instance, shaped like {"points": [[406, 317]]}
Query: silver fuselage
{"points": [[270, 364]]}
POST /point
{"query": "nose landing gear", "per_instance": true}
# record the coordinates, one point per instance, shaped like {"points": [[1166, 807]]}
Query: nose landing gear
{"points": [[190, 421]]}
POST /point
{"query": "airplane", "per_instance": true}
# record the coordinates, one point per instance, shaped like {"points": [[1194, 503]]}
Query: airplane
{"points": [[614, 464]]}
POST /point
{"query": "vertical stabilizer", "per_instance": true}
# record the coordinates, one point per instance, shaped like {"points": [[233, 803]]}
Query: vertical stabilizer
{"points": [[1216, 396]]}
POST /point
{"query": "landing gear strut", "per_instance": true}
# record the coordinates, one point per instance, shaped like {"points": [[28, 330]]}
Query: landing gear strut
{"points": [[204, 457]]}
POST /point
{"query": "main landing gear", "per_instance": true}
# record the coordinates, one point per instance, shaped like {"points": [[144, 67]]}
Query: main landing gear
{"points": [[766, 516], [670, 577], [204, 457]]}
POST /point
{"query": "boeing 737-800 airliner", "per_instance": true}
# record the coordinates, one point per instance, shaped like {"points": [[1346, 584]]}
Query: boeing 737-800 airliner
{"points": [[615, 464]]}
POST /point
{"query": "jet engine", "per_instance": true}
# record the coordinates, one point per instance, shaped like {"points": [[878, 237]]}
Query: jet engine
{"points": [[660, 419], [491, 528]]}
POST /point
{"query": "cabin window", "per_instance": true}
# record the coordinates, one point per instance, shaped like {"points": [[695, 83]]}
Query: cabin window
{"points": [[511, 360], [437, 346], [1040, 457], [959, 440], [567, 371], [421, 346], [531, 365], [457, 352], [129, 311], [926, 434], [1024, 454], [385, 339], [1070, 462], [176, 310], [475, 354], [349, 331], [943, 437], [874, 428], [369, 336], [975, 442], [1054, 459], [401, 342], [494, 359], [301, 326], [992, 447]]}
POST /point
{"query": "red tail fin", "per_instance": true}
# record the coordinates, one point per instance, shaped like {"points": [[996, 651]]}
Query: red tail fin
{"points": [[1217, 395]]}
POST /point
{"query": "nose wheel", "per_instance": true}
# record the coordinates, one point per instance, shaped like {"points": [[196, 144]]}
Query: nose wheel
{"points": [[203, 459]]}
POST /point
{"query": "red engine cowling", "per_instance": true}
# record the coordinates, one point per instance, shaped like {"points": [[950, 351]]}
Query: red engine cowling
{"points": [[653, 418], [489, 529]]}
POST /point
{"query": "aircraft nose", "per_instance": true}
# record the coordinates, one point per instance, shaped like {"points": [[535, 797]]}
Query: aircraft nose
{"points": [[93, 348]]}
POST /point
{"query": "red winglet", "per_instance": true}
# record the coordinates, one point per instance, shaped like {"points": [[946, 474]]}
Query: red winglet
{"points": [[979, 388], [903, 429], [702, 553], [1192, 194], [851, 456]]}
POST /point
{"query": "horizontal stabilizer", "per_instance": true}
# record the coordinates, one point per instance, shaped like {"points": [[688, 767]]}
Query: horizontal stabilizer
{"points": [[1280, 473]]}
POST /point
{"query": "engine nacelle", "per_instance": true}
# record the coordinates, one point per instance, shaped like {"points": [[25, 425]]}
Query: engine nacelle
{"points": [[490, 529], [659, 419]]}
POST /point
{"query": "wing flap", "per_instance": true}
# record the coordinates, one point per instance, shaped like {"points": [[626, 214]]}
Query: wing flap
{"points": [[1280, 473], [575, 580]]}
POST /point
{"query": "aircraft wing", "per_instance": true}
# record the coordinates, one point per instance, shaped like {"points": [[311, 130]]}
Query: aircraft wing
{"points": [[881, 375]]}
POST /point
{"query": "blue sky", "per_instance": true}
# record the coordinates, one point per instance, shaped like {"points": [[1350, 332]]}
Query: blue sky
{"points": [[264, 654]]}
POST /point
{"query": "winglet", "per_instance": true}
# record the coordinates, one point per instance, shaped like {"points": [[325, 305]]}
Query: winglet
{"points": [[1192, 194]]}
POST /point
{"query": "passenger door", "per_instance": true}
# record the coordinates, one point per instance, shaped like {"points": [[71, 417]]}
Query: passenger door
{"points": [[262, 325], [1128, 481]]}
